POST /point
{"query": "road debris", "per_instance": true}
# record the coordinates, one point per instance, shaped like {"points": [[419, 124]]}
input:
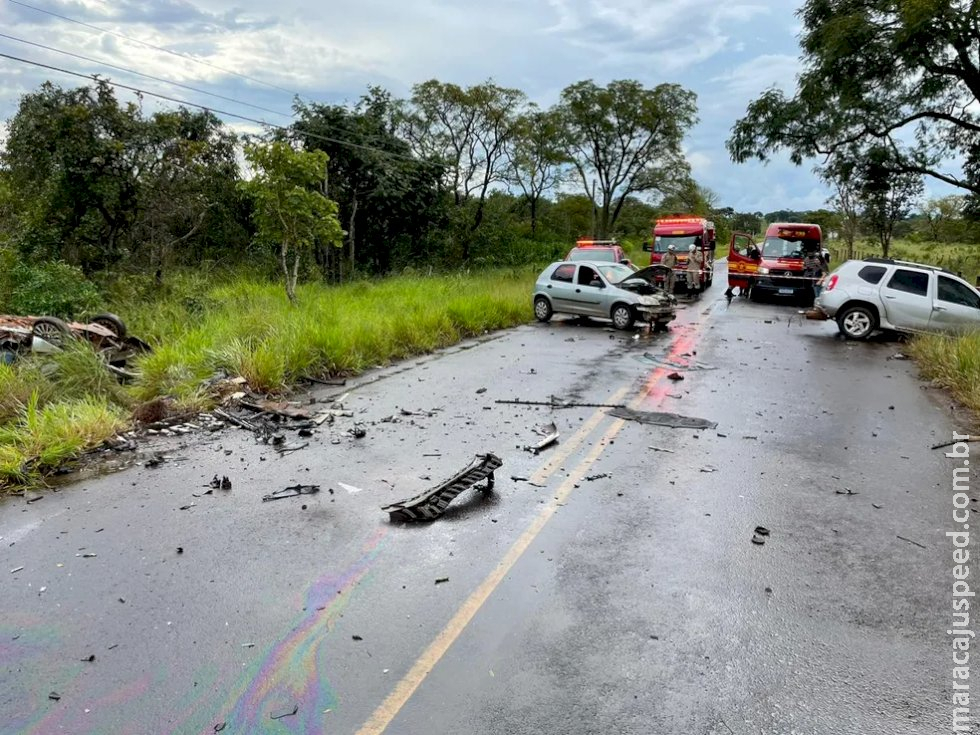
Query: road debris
{"points": [[291, 448], [675, 376], [968, 438], [358, 432], [846, 491], [219, 727], [321, 381], [285, 712], [54, 696], [914, 543], [556, 402], [593, 478], [441, 580], [661, 449], [350, 488], [760, 535], [673, 420], [15, 570], [431, 504], [291, 492], [550, 434], [278, 408]]}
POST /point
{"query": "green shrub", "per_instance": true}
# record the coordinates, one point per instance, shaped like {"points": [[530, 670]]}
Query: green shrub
{"points": [[51, 289]]}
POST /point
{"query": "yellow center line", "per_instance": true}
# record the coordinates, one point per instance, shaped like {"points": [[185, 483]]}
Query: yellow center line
{"points": [[393, 703]]}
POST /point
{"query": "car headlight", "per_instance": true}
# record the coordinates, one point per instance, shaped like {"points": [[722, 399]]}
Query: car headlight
{"points": [[763, 271]]}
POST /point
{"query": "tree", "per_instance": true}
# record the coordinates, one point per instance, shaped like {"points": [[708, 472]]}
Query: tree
{"points": [[384, 196], [290, 213], [944, 217], [898, 74], [884, 197], [628, 138], [468, 131], [537, 161]]}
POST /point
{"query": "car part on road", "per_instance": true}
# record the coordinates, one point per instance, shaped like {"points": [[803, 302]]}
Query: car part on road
{"points": [[914, 543], [291, 492], [286, 712], [431, 504], [968, 438], [550, 434], [292, 448], [675, 376], [657, 418], [558, 403]]}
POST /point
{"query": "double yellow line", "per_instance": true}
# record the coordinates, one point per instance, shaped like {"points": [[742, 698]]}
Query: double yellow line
{"points": [[393, 703]]}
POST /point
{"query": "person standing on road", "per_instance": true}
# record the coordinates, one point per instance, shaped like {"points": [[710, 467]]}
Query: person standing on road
{"points": [[813, 268], [670, 261], [695, 261]]}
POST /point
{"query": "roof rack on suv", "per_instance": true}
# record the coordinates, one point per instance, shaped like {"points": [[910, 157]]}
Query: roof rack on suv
{"points": [[894, 261]]}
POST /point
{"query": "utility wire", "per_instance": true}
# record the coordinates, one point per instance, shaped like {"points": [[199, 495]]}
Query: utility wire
{"points": [[150, 45], [338, 141], [146, 76]]}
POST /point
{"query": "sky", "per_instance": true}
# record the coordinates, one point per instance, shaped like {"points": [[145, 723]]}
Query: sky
{"points": [[265, 54]]}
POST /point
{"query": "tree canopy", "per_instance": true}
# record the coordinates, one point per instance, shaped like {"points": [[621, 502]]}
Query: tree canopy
{"points": [[903, 75]]}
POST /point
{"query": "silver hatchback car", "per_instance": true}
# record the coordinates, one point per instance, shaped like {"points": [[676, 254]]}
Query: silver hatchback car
{"points": [[608, 290], [881, 293]]}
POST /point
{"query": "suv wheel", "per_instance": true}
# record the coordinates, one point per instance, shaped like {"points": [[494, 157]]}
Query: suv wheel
{"points": [[622, 316], [856, 322], [542, 309]]}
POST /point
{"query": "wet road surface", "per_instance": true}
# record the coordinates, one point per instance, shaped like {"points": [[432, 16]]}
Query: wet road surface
{"points": [[631, 602]]}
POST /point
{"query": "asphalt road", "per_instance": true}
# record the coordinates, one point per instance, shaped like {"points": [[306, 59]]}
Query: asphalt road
{"points": [[631, 602]]}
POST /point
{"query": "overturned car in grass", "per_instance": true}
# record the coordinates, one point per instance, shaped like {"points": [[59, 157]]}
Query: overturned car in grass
{"points": [[604, 290], [106, 333]]}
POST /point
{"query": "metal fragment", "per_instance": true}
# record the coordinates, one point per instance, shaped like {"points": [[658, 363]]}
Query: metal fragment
{"points": [[431, 504]]}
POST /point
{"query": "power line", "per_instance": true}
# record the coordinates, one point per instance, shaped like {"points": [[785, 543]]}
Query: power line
{"points": [[325, 138], [152, 46], [142, 74]]}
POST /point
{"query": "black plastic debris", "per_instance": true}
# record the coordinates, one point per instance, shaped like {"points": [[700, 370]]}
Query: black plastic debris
{"points": [[155, 461], [356, 638], [550, 434], [215, 482], [219, 727], [760, 535], [675, 376], [89, 659], [442, 580], [225, 483], [593, 478], [673, 420], [291, 492], [431, 504], [54, 696], [285, 712], [358, 432]]}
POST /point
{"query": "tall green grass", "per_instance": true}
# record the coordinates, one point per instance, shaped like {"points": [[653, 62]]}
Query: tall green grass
{"points": [[54, 407], [952, 362]]}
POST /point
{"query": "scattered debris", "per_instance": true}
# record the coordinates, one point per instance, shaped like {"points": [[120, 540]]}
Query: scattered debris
{"points": [[760, 535], [291, 491], [708, 469], [957, 441], [321, 381], [349, 488], [219, 727], [601, 475], [32, 497], [914, 543], [481, 390], [899, 356], [278, 408], [876, 506], [550, 434], [89, 659], [54, 696], [661, 449], [675, 376], [442, 579], [846, 491], [180, 549], [431, 504], [673, 420], [358, 432], [286, 712], [155, 461], [356, 638], [559, 403], [15, 570], [291, 448]]}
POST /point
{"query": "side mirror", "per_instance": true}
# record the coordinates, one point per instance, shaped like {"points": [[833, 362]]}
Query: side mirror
{"points": [[646, 247], [625, 261]]}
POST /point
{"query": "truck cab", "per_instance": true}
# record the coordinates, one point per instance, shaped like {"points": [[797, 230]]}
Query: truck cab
{"points": [[682, 232], [774, 266]]}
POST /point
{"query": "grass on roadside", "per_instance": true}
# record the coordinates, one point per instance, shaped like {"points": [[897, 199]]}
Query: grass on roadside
{"points": [[952, 362], [53, 408]]}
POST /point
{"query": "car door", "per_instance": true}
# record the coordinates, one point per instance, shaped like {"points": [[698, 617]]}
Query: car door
{"points": [[561, 288], [956, 307], [906, 298], [741, 265], [589, 291]]}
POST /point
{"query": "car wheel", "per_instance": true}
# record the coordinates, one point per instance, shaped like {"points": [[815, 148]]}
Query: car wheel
{"points": [[51, 329], [622, 316], [542, 309], [111, 322], [856, 322]]}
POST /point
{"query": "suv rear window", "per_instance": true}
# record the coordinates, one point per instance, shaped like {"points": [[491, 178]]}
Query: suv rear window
{"points": [[871, 273], [955, 292], [914, 282], [564, 273]]}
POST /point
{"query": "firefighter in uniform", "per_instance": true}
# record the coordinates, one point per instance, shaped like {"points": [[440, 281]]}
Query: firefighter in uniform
{"points": [[670, 261], [695, 261]]}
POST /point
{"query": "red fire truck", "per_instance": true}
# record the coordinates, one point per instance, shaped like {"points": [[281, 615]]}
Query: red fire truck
{"points": [[682, 232], [775, 266]]}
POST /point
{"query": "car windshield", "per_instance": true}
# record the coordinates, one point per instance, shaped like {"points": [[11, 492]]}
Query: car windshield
{"points": [[616, 272], [777, 247], [592, 254], [681, 242]]}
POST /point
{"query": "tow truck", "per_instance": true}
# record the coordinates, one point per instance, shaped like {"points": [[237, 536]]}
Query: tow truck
{"points": [[775, 266], [682, 232]]}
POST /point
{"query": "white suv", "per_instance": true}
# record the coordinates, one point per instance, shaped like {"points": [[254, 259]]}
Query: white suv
{"points": [[881, 293]]}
